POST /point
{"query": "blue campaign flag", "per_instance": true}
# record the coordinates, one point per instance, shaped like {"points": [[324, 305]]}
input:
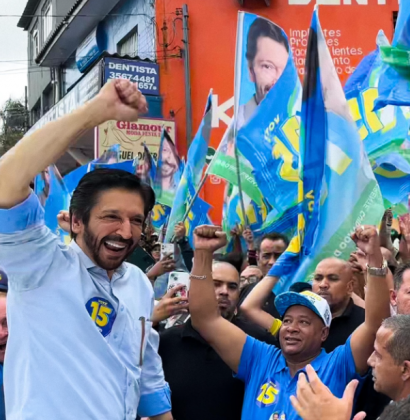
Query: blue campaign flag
{"points": [[383, 131], [54, 197], [147, 168], [394, 87], [191, 176], [337, 189], [169, 170], [269, 138]]}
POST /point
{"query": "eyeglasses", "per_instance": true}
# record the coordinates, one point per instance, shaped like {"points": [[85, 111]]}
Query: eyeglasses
{"points": [[250, 279]]}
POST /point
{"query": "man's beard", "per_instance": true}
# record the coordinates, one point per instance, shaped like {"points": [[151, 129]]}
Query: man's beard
{"points": [[94, 247]]}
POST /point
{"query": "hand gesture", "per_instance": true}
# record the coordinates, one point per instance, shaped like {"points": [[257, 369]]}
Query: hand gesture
{"points": [[314, 400], [170, 305], [209, 238], [120, 100], [367, 240], [385, 230], [166, 265], [248, 236], [180, 231], [63, 219], [358, 261]]}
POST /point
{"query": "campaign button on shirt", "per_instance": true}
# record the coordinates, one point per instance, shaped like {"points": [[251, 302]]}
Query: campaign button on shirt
{"points": [[102, 313]]}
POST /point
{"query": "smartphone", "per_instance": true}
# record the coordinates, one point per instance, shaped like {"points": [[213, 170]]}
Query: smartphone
{"points": [[175, 279], [167, 250]]}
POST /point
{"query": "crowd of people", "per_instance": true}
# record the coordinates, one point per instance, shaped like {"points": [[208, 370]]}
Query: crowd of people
{"points": [[88, 340]]}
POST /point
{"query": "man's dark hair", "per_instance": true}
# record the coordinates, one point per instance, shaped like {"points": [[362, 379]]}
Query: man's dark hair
{"points": [[399, 344], [397, 410], [274, 237], [263, 28], [398, 275], [300, 287], [233, 258], [91, 185]]}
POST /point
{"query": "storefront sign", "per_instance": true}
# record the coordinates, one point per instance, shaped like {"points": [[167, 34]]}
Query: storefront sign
{"points": [[132, 135], [90, 49], [83, 91], [146, 75]]}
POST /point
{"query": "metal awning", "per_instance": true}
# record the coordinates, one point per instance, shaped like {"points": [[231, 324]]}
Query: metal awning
{"points": [[83, 17], [28, 13]]}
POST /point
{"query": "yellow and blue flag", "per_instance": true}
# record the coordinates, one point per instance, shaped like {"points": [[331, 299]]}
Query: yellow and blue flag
{"points": [[337, 189], [385, 131], [191, 178], [394, 87]]}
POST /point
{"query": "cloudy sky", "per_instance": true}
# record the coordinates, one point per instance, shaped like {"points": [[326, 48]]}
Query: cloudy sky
{"points": [[13, 51]]}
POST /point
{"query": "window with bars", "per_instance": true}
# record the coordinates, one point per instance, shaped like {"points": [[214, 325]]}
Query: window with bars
{"points": [[35, 44], [47, 20], [129, 44]]}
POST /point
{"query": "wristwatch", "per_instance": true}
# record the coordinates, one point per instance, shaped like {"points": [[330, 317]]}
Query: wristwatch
{"points": [[376, 271]]}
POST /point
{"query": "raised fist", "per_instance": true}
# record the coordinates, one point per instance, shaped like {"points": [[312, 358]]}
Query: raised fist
{"points": [[367, 239], [209, 238], [120, 100], [63, 219]]}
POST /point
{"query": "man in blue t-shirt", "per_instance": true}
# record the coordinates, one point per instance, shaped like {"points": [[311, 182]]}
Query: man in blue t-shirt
{"points": [[270, 374]]}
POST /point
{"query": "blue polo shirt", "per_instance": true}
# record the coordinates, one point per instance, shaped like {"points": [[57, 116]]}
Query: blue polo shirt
{"points": [[81, 345], [268, 384]]}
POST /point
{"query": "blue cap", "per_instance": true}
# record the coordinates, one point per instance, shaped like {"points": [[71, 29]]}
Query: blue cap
{"points": [[308, 299], [4, 281]]}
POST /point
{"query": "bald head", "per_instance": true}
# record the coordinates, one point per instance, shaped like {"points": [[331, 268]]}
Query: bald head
{"points": [[334, 282], [251, 274], [226, 283]]}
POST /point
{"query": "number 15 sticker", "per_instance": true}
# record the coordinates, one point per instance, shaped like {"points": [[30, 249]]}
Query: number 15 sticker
{"points": [[102, 313]]}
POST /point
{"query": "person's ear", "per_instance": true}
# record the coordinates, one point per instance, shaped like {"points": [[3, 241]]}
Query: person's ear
{"points": [[405, 375], [393, 297], [325, 334], [76, 224], [252, 74], [350, 286]]}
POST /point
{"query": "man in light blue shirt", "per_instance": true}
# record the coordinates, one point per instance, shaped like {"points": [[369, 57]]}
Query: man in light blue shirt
{"points": [[270, 375], [81, 344]]}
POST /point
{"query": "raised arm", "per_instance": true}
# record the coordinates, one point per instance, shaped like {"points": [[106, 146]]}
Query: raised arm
{"points": [[377, 301], [253, 304], [118, 100], [226, 339]]}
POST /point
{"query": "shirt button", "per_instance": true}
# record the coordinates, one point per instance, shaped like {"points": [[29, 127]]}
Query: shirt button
{"points": [[122, 308], [115, 336], [129, 383]]}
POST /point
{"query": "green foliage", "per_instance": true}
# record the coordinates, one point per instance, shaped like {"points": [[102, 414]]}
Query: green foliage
{"points": [[13, 124]]}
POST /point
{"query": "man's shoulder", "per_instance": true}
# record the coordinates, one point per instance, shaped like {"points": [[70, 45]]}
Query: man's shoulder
{"points": [[170, 337]]}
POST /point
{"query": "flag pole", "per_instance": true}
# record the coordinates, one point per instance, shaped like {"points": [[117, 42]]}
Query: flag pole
{"points": [[238, 172], [237, 89]]}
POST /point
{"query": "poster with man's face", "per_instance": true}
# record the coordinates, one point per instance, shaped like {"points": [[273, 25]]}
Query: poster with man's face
{"points": [[264, 57]]}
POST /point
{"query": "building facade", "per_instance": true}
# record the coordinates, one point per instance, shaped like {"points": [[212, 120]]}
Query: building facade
{"points": [[75, 46]]}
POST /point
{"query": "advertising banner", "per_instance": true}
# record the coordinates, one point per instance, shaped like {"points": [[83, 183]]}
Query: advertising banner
{"points": [[145, 74], [131, 136]]}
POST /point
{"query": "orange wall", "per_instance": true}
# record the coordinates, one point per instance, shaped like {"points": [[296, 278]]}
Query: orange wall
{"points": [[212, 25]]}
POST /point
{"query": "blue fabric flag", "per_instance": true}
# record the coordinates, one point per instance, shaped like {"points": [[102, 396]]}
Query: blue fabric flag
{"points": [[169, 170], [54, 197], [394, 87], [270, 138], [337, 189], [191, 178], [384, 131]]}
